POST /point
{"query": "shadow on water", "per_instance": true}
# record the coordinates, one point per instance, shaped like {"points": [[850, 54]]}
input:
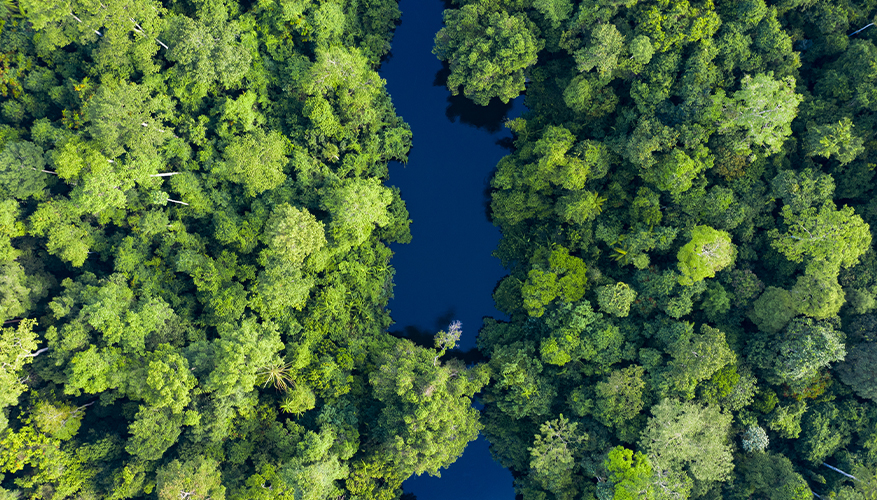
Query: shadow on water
{"points": [[489, 118], [426, 338]]}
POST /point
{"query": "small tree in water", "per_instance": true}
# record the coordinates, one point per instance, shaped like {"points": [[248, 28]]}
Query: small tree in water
{"points": [[448, 340]]}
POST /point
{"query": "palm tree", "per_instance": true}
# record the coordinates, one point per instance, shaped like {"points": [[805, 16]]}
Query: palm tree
{"points": [[277, 374]]}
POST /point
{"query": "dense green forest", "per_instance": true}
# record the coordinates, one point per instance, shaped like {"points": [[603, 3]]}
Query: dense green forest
{"points": [[686, 222], [194, 268], [193, 259]]}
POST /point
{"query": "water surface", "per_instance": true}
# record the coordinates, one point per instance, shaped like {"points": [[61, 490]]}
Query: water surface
{"points": [[447, 272]]}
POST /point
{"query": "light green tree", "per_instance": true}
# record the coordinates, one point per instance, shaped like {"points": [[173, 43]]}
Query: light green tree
{"points": [[293, 233], [835, 140], [616, 299], [708, 251], [552, 456], [838, 237], [630, 473], [356, 206], [761, 111], [256, 160], [18, 347], [689, 438], [195, 479]]}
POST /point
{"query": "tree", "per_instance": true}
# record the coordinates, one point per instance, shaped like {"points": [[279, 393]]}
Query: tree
{"points": [[675, 171], [153, 432], [487, 51], [838, 237], [771, 476], [805, 347], [619, 396], [256, 160], [802, 189], [195, 479], [697, 358], [773, 309], [60, 420], [835, 140], [817, 296], [630, 473], [22, 170], [691, 438], [786, 420], [126, 117], [293, 233], [356, 206], [240, 353], [857, 370], [578, 333], [616, 299], [762, 111], [552, 461], [204, 55], [17, 349], [602, 52], [708, 251], [754, 440], [427, 420]]}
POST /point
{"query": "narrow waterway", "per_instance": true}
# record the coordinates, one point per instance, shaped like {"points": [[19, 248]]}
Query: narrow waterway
{"points": [[447, 272]]}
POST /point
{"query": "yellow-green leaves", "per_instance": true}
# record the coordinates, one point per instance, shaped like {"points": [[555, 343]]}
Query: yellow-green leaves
{"points": [[256, 160], [838, 237], [708, 251], [17, 349], [761, 112], [293, 233]]}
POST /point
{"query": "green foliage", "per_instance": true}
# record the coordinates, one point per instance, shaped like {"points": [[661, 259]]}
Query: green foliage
{"points": [[616, 299], [686, 437], [761, 112], [696, 358], [198, 479], [22, 170], [356, 207], [708, 251], [773, 309], [256, 160], [17, 349], [293, 233], [754, 440], [857, 370], [619, 396], [631, 474], [552, 455], [835, 140], [771, 476], [838, 237], [802, 189], [487, 51], [786, 420]]}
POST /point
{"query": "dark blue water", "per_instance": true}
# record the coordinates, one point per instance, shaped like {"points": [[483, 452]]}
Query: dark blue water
{"points": [[447, 272]]}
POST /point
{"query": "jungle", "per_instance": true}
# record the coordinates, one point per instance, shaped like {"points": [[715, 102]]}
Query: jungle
{"points": [[196, 208]]}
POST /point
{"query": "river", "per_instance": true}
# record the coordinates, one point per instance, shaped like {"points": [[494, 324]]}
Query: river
{"points": [[447, 272]]}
